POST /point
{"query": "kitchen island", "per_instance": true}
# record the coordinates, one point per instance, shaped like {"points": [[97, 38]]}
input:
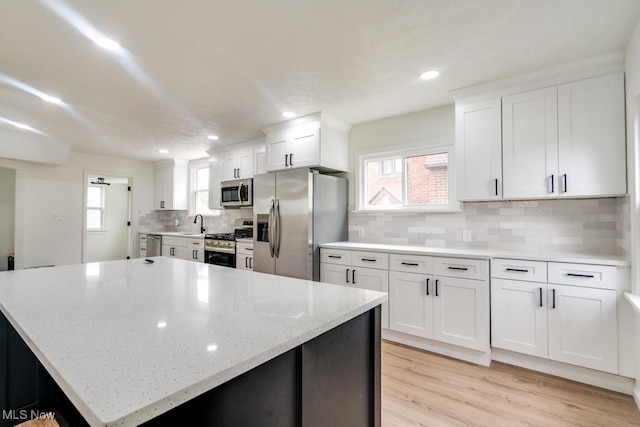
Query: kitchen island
{"points": [[129, 342]]}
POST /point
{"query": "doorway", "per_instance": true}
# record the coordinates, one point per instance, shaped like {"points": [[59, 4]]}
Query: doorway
{"points": [[7, 215], [107, 217]]}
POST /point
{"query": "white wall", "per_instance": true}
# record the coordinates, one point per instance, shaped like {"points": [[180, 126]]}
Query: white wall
{"points": [[111, 243], [416, 129], [50, 205], [7, 212]]}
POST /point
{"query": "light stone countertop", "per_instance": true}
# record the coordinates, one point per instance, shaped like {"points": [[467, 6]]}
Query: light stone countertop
{"points": [[127, 341], [481, 253]]}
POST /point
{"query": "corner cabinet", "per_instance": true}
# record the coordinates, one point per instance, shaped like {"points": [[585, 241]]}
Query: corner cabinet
{"points": [[171, 185], [316, 140], [565, 140]]}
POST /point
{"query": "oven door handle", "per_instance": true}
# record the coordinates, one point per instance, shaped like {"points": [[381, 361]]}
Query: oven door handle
{"points": [[276, 209], [271, 226]]}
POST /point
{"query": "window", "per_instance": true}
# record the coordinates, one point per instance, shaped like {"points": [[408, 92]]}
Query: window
{"points": [[199, 195], [407, 180], [95, 207]]}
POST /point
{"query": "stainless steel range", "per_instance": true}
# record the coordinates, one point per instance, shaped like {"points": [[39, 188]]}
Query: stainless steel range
{"points": [[220, 248]]}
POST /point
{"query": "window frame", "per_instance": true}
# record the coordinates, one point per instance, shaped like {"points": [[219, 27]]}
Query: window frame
{"points": [[452, 206], [194, 166], [101, 209]]}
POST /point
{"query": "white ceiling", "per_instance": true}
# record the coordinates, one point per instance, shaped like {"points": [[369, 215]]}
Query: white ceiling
{"points": [[230, 67]]}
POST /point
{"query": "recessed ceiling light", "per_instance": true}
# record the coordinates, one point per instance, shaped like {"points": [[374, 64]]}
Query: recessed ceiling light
{"points": [[163, 151], [288, 114], [213, 137], [107, 43], [428, 75]]}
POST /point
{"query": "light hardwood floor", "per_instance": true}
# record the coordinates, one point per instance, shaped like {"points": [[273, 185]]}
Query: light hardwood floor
{"points": [[425, 389]]}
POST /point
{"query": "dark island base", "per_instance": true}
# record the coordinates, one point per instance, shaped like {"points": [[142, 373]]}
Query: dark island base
{"points": [[333, 379]]}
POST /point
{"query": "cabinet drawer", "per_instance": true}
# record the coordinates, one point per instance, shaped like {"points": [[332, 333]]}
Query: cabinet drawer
{"points": [[335, 256], [143, 238], [377, 260], [592, 276], [460, 267], [174, 241], [516, 269], [244, 248], [195, 243], [410, 263]]}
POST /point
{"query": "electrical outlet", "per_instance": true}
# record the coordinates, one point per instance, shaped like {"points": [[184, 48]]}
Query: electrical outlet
{"points": [[466, 236]]}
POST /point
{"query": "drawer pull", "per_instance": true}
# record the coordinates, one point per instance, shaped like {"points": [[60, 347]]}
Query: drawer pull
{"points": [[248, 249], [458, 268], [335, 256], [411, 264], [517, 270], [368, 259], [427, 283], [587, 276]]}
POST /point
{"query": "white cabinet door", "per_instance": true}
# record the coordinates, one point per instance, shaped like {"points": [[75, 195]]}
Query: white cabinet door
{"points": [[333, 273], [461, 312], [305, 146], [278, 150], [238, 165], [171, 185], [215, 177], [519, 316], [410, 308], [591, 137], [479, 150], [583, 327], [174, 251], [375, 280], [244, 262], [530, 144], [163, 187], [259, 161]]}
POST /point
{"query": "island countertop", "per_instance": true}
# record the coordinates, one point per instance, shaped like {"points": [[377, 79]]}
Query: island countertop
{"points": [[127, 341]]}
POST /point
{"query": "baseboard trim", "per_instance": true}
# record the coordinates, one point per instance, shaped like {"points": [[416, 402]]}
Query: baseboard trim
{"points": [[576, 373], [636, 395], [468, 355]]}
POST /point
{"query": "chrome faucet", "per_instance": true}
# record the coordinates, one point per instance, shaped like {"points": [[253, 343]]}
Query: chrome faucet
{"points": [[195, 221]]}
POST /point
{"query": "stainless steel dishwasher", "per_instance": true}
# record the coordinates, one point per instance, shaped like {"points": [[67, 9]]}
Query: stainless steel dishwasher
{"points": [[154, 245]]}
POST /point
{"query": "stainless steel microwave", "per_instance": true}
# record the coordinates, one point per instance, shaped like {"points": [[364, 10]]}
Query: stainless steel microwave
{"points": [[236, 193]]}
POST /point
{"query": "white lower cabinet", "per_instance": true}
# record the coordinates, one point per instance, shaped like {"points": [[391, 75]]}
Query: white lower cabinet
{"points": [[244, 255], [559, 321], [341, 267], [191, 249], [446, 308]]}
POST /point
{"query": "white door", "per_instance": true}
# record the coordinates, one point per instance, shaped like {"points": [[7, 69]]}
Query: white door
{"points": [[410, 308], [461, 312], [479, 150], [530, 144], [333, 273], [591, 137], [375, 280], [519, 316], [583, 327]]}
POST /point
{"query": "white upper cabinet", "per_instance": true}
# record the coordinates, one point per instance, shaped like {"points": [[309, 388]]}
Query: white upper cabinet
{"points": [[479, 151], [171, 185], [238, 164], [530, 144], [564, 140], [591, 137], [316, 140]]}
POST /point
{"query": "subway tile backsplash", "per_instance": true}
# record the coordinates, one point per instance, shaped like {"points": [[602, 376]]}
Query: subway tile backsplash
{"points": [[585, 226], [150, 221]]}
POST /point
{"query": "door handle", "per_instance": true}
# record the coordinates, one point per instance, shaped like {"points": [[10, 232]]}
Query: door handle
{"points": [[495, 185], [552, 183], [286, 160], [540, 290], [564, 183], [271, 227], [427, 286], [437, 287], [276, 208], [353, 276], [347, 276], [291, 159]]}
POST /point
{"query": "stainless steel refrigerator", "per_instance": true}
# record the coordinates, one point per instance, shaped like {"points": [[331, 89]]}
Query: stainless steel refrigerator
{"points": [[293, 212]]}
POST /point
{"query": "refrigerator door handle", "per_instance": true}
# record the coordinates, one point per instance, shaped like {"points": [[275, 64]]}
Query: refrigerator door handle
{"points": [[271, 227], [276, 231]]}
